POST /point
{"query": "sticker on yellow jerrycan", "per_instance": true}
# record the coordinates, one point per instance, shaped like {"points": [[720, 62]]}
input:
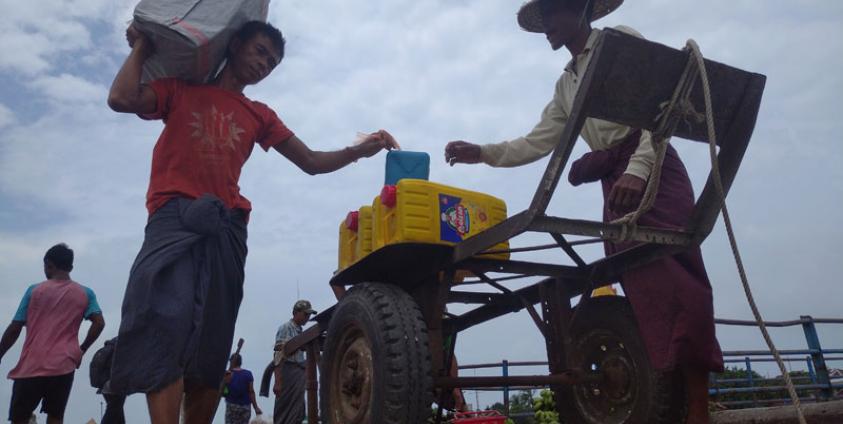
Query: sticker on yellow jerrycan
{"points": [[427, 212], [456, 217]]}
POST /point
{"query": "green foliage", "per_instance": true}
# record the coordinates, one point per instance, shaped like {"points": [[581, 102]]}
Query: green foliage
{"points": [[521, 402], [545, 408], [735, 373], [497, 406]]}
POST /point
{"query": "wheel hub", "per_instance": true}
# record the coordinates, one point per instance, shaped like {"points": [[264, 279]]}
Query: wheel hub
{"points": [[610, 399], [617, 373], [353, 377]]}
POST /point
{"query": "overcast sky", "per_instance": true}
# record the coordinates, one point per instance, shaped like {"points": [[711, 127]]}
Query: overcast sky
{"points": [[429, 71]]}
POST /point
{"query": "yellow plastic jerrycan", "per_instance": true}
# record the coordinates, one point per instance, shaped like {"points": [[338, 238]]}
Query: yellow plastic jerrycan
{"points": [[364, 233], [348, 240], [426, 212]]}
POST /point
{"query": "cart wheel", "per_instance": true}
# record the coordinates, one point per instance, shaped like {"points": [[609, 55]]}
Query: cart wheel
{"points": [[376, 363], [605, 338]]}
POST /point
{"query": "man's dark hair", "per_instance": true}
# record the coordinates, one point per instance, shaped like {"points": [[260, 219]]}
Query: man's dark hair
{"points": [[236, 359], [60, 256], [574, 6], [253, 28]]}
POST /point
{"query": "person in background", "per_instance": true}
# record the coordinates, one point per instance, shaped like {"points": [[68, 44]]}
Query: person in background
{"points": [[100, 374], [239, 393], [52, 312], [290, 375]]}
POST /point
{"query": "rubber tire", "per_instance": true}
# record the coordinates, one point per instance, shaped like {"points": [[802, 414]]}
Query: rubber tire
{"points": [[402, 382], [659, 397]]}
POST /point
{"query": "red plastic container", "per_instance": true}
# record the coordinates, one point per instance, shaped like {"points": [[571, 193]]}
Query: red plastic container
{"points": [[479, 417]]}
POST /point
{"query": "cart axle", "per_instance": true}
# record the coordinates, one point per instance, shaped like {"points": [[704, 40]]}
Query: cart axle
{"points": [[565, 378]]}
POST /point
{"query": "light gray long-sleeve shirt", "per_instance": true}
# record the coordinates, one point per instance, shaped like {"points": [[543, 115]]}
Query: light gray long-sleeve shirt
{"points": [[599, 134]]}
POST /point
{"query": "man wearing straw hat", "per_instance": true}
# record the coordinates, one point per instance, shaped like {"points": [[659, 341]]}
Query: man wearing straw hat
{"points": [[672, 297]]}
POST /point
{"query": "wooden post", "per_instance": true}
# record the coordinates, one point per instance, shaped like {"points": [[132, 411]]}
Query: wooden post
{"points": [[312, 383], [556, 313], [432, 298]]}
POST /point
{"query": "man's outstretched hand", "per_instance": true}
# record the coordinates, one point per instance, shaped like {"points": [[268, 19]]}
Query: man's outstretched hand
{"points": [[626, 194], [375, 142], [462, 152]]}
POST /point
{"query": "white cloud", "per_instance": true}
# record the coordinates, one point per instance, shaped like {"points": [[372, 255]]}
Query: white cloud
{"points": [[25, 53], [34, 34], [7, 117], [68, 88]]}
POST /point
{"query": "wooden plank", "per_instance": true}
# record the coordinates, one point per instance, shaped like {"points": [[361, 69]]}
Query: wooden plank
{"points": [[301, 341], [815, 413], [403, 264]]}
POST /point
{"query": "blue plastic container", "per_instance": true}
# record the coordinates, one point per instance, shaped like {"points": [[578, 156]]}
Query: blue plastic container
{"points": [[402, 164]]}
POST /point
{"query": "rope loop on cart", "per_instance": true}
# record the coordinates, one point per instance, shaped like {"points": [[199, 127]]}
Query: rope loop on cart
{"points": [[680, 106], [715, 169]]}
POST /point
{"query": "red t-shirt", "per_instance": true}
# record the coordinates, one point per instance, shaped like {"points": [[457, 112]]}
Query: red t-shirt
{"points": [[208, 134]]}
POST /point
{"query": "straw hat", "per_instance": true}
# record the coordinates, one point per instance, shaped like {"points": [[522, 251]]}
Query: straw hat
{"points": [[530, 17]]}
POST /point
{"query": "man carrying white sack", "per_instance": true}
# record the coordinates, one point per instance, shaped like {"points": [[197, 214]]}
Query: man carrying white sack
{"points": [[186, 284]]}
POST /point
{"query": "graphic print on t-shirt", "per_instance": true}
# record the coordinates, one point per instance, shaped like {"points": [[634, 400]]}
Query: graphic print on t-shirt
{"points": [[208, 136], [216, 129]]}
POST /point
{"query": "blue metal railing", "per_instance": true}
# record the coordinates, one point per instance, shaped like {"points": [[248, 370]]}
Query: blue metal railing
{"points": [[819, 383]]}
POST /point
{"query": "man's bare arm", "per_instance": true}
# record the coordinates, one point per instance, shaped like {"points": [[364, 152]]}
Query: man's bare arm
{"points": [[94, 331], [316, 162], [127, 94], [10, 336], [254, 399]]}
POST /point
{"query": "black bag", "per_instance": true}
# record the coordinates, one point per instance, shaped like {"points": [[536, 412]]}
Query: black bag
{"points": [[100, 368]]}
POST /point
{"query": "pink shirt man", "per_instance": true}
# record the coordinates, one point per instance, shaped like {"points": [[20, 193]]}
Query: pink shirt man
{"points": [[52, 312]]}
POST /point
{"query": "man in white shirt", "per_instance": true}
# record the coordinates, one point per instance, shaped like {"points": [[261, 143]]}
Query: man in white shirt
{"points": [[671, 297]]}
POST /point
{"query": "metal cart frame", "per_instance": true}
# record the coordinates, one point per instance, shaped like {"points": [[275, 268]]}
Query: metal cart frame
{"points": [[627, 81]]}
